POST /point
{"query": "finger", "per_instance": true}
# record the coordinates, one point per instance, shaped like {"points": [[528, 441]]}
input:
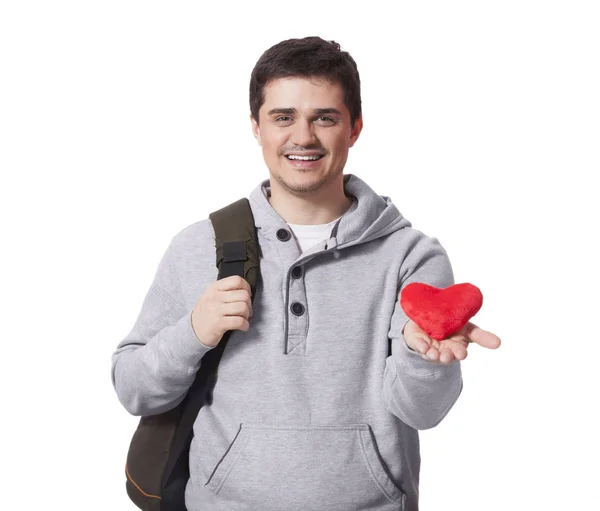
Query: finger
{"points": [[446, 355], [419, 343], [231, 283], [457, 348], [432, 354], [236, 309], [481, 337], [234, 323], [417, 340], [239, 295], [455, 341]]}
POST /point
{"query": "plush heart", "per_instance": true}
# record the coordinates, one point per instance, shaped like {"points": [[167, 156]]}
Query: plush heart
{"points": [[440, 312]]}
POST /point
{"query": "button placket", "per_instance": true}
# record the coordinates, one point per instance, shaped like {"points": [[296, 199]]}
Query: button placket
{"points": [[297, 313]]}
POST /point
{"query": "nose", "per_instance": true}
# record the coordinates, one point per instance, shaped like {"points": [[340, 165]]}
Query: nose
{"points": [[303, 134]]}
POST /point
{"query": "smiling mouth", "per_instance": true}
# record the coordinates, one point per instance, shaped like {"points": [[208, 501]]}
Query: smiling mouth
{"points": [[293, 157]]}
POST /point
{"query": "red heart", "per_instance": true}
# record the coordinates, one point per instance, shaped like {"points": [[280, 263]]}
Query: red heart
{"points": [[440, 312]]}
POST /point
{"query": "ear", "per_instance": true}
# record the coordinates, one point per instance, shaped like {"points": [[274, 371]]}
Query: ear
{"points": [[255, 129], [356, 129]]}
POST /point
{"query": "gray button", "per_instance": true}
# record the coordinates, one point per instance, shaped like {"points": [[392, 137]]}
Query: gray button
{"points": [[297, 309], [283, 235]]}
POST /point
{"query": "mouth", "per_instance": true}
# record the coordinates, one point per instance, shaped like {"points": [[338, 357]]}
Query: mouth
{"points": [[304, 161], [297, 157]]}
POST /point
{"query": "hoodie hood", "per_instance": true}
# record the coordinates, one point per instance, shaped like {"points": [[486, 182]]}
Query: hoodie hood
{"points": [[370, 216]]}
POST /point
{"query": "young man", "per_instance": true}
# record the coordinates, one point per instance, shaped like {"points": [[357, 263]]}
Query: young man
{"points": [[309, 412]]}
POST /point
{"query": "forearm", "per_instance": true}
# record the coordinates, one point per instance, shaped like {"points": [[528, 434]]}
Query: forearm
{"points": [[420, 392], [154, 377], [417, 391]]}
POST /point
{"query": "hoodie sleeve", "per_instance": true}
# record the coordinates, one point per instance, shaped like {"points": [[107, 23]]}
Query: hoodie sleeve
{"points": [[420, 392], [156, 362]]}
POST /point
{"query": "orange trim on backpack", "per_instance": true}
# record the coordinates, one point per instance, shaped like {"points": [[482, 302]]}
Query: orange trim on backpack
{"points": [[135, 484]]}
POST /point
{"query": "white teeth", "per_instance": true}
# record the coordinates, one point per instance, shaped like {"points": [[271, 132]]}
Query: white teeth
{"points": [[306, 158]]}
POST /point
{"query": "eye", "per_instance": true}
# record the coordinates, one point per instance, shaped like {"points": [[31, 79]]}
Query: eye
{"points": [[283, 118], [325, 119]]}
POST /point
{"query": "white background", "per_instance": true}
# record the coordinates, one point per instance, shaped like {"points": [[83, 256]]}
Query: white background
{"points": [[123, 122]]}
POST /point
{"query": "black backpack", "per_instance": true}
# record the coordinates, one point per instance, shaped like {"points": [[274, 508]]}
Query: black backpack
{"points": [[157, 467]]}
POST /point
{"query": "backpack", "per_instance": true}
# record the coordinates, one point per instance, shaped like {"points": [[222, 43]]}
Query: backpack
{"points": [[157, 467]]}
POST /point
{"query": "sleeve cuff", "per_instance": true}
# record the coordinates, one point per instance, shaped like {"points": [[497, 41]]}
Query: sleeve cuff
{"points": [[184, 347]]}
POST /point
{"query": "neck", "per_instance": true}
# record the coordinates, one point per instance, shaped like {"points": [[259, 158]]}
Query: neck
{"points": [[318, 207]]}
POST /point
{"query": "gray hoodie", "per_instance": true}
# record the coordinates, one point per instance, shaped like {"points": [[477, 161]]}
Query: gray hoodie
{"points": [[309, 412]]}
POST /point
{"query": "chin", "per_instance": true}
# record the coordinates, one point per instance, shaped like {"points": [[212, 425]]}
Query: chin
{"points": [[303, 182]]}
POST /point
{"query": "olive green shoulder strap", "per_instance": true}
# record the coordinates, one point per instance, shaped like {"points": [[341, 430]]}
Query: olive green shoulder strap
{"points": [[237, 249]]}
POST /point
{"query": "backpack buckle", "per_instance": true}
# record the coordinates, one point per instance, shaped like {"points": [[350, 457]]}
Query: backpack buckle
{"points": [[234, 251]]}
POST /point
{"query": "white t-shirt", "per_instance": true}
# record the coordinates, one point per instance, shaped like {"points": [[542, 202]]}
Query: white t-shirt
{"points": [[309, 235]]}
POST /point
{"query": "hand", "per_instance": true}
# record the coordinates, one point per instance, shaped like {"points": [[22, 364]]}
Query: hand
{"points": [[449, 349], [225, 305]]}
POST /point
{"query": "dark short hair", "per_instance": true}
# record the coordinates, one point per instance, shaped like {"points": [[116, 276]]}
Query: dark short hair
{"points": [[310, 57]]}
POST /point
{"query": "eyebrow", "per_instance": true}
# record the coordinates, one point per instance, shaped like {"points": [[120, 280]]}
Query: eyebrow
{"points": [[317, 111]]}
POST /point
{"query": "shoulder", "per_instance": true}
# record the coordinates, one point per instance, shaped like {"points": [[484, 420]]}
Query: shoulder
{"points": [[412, 239], [422, 253], [196, 237]]}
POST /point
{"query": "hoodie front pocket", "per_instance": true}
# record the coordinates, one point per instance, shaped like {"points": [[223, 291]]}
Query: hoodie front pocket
{"points": [[305, 468]]}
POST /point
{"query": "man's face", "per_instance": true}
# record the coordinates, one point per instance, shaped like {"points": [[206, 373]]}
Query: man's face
{"points": [[304, 118]]}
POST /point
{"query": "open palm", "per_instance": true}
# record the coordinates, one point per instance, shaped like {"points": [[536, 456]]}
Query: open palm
{"points": [[449, 349]]}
